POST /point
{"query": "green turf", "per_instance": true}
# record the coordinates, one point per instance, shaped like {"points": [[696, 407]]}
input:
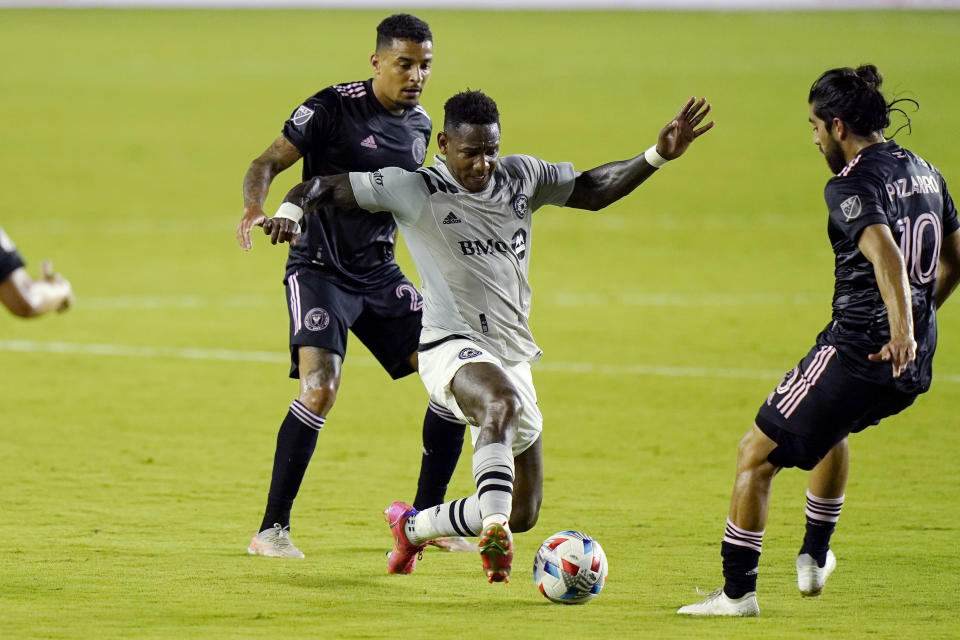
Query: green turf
{"points": [[131, 483]]}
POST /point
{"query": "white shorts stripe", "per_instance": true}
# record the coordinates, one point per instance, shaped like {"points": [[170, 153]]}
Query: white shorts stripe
{"points": [[295, 302]]}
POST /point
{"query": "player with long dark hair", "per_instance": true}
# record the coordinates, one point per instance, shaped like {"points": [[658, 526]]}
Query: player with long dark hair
{"points": [[894, 231]]}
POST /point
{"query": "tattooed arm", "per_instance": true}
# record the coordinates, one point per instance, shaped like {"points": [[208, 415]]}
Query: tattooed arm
{"points": [[256, 183]]}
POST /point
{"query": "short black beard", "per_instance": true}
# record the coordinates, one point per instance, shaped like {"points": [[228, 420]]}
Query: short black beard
{"points": [[835, 159]]}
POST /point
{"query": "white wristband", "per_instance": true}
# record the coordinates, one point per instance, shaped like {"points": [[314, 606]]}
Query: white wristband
{"points": [[289, 211], [653, 158]]}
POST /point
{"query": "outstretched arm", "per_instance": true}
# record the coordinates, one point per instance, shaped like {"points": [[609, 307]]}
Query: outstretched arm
{"points": [[256, 183], [28, 298], [949, 273], [604, 185], [316, 192], [878, 246]]}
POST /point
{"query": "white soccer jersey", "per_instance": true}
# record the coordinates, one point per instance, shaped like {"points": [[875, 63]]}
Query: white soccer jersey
{"points": [[472, 250]]}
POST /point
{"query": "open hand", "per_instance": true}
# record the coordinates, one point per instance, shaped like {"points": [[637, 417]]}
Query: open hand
{"points": [[252, 217], [899, 352], [682, 130]]}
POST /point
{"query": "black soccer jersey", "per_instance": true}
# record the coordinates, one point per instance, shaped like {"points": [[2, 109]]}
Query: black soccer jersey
{"points": [[10, 260], [886, 184], [341, 129]]}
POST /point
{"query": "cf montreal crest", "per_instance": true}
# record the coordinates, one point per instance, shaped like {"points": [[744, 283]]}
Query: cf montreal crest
{"points": [[469, 352], [851, 208], [302, 115], [317, 319], [520, 205], [419, 150]]}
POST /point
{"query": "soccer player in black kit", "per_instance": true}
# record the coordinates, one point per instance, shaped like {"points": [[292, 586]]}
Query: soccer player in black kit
{"points": [[341, 273], [894, 230]]}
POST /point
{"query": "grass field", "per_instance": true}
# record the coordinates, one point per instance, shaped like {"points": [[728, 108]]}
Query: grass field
{"points": [[138, 429]]}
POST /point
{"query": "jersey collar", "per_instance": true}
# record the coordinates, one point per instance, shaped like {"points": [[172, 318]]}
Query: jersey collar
{"points": [[440, 163]]}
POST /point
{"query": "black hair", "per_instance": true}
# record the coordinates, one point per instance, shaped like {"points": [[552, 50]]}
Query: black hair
{"points": [[854, 96], [470, 107], [402, 26]]}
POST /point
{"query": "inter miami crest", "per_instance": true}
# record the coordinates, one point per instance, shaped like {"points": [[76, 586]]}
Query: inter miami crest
{"points": [[419, 150], [851, 208], [469, 352], [302, 115], [520, 205], [317, 319]]}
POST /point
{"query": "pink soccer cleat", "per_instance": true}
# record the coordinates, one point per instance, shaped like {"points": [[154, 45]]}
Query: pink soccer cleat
{"points": [[496, 552], [404, 556]]}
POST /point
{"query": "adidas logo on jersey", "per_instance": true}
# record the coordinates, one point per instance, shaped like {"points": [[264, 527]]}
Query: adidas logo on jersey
{"points": [[451, 219], [369, 142]]}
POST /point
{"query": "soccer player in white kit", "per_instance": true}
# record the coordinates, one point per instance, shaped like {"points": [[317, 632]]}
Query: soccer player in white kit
{"points": [[467, 223]]}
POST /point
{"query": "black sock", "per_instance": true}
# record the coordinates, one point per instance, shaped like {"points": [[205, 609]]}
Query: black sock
{"points": [[296, 441], [816, 540], [741, 559], [822, 515], [442, 443], [739, 570]]}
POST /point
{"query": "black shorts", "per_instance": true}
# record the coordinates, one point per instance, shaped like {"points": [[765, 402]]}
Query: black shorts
{"points": [[386, 320], [818, 404]]}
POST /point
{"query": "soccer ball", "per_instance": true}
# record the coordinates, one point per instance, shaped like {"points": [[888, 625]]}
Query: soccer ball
{"points": [[570, 568]]}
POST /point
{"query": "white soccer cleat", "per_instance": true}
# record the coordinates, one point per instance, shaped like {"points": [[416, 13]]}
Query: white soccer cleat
{"points": [[810, 577], [274, 543], [718, 604]]}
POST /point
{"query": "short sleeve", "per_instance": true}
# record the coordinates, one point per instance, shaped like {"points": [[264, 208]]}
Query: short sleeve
{"points": [[854, 205], [403, 193], [552, 183], [311, 124], [950, 223], [10, 260]]}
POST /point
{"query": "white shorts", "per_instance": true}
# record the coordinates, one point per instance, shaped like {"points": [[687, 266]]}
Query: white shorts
{"points": [[439, 364]]}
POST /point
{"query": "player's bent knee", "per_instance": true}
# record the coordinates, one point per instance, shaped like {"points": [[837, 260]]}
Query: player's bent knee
{"points": [[319, 400], [503, 406]]}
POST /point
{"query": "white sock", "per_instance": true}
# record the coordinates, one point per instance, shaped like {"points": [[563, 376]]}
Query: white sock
{"points": [[456, 518], [493, 471]]}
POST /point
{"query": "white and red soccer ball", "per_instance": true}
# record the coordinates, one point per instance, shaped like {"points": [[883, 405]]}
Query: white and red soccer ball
{"points": [[570, 568]]}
